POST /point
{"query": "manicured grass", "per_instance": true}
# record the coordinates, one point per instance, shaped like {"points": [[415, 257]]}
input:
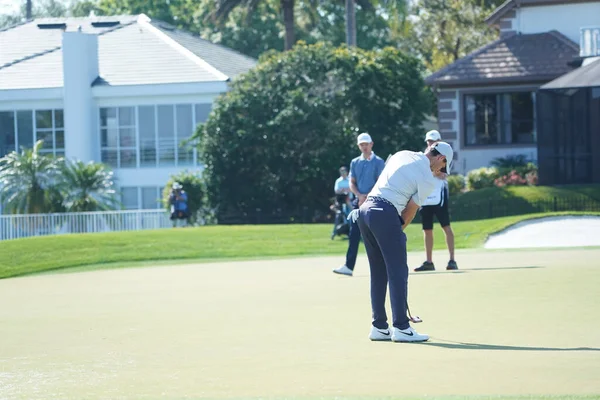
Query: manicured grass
{"points": [[506, 326], [34, 255], [530, 194]]}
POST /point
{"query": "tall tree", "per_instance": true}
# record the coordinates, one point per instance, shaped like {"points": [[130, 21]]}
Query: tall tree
{"points": [[225, 7], [284, 126], [350, 23], [446, 30]]}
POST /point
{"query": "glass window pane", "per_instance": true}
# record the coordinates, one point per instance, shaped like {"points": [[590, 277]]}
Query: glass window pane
{"points": [[128, 159], [148, 156], [202, 111], [48, 139], [127, 137], [109, 157], [108, 117], [25, 129], [7, 132], [185, 126], [126, 116], [43, 119], [109, 137], [166, 136], [147, 128], [59, 119], [150, 198], [129, 198], [60, 139]]}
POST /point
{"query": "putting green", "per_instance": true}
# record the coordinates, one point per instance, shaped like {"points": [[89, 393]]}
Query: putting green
{"points": [[508, 323]]}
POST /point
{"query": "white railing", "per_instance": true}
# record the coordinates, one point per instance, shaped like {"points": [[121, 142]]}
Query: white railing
{"points": [[26, 225]]}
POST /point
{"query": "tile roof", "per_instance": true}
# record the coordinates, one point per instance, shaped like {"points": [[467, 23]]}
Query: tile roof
{"points": [[538, 57], [134, 51], [586, 76], [226, 60]]}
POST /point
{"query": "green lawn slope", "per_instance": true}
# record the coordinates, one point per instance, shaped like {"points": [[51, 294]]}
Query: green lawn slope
{"points": [[209, 243]]}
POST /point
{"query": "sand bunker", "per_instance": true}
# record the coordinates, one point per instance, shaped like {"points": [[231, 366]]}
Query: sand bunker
{"points": [[567, 231]]}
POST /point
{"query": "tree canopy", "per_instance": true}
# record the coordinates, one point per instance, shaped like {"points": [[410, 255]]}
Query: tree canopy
{"points": [[278, 137]]}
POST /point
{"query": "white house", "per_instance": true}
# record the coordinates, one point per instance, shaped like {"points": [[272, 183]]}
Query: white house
{"points": [[487, 104], [123, 90]]}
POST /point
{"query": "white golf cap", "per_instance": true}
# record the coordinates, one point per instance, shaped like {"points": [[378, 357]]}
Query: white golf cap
{"points": [[364, 138], [444, 149], [433, 135]]}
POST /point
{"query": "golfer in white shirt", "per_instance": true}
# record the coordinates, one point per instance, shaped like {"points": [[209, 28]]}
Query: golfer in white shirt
{"points": [[406, 181]]}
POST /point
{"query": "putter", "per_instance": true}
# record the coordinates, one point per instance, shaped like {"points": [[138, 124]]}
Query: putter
{"points": [[416, 319]]}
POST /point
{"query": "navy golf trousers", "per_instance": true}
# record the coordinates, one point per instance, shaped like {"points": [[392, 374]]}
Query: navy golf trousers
{"points": [[353, 241], [385, 242]]}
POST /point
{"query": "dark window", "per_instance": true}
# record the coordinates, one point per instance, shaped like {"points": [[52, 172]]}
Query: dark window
{"points": [[7, 132], [499, 118]]}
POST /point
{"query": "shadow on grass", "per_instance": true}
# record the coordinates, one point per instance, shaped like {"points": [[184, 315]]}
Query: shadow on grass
{"points": [[462, 270], [481, 346], [499, 268]]}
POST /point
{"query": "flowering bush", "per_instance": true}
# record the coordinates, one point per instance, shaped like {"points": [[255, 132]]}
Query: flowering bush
{"points": [[515, 179], [481, 178], [532, 178]]}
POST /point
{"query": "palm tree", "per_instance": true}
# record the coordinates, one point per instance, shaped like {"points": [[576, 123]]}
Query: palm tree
{"points": [[224, 7], [28, 7], [88, 187], [27, 180]]}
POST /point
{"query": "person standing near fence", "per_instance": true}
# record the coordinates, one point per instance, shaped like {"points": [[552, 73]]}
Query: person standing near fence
{"points": [[405, 183], [436, 205], [179, 208], [364, 172]]}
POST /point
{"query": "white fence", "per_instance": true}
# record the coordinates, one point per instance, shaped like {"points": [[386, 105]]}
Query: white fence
{"points": [[26, 225]]}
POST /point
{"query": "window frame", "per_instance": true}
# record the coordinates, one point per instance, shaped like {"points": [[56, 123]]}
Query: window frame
{"points": [[54, 151], [136, 126], [496, 91]]}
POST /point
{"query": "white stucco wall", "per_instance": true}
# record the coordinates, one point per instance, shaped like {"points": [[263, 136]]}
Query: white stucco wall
{"points": [[567, 19], [481, 157], [80, 68]]}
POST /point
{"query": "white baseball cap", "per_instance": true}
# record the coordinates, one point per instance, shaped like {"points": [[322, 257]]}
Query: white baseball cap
{"points": [[433, 135], [446, 150], [364, 138]]}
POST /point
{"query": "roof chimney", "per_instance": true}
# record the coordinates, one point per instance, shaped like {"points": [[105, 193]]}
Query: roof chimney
{"points": [[589, 41], [80, 69]]}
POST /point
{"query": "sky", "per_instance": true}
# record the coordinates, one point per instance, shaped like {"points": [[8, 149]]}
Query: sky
{"points": [[12, 6], [9, 6]]}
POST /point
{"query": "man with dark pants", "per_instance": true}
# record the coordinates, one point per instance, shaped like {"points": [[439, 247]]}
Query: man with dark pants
{"points": [[364, 172], [405, 183]]}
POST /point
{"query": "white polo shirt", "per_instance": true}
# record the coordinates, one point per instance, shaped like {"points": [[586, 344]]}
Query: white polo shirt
{"points": [[406, 175]]}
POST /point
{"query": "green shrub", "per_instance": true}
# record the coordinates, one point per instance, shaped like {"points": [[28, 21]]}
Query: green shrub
{"points": [[277, 138], [456, 184], [482, 178], [516, 163]]}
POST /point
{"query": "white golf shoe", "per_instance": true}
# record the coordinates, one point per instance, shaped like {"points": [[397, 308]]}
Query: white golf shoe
{"points": [[408, 335], [343, 270], [380, 334]]}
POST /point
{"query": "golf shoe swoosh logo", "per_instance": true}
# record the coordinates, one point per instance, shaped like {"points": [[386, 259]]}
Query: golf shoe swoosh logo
{"points": [[406, 333], [383, 332]]}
